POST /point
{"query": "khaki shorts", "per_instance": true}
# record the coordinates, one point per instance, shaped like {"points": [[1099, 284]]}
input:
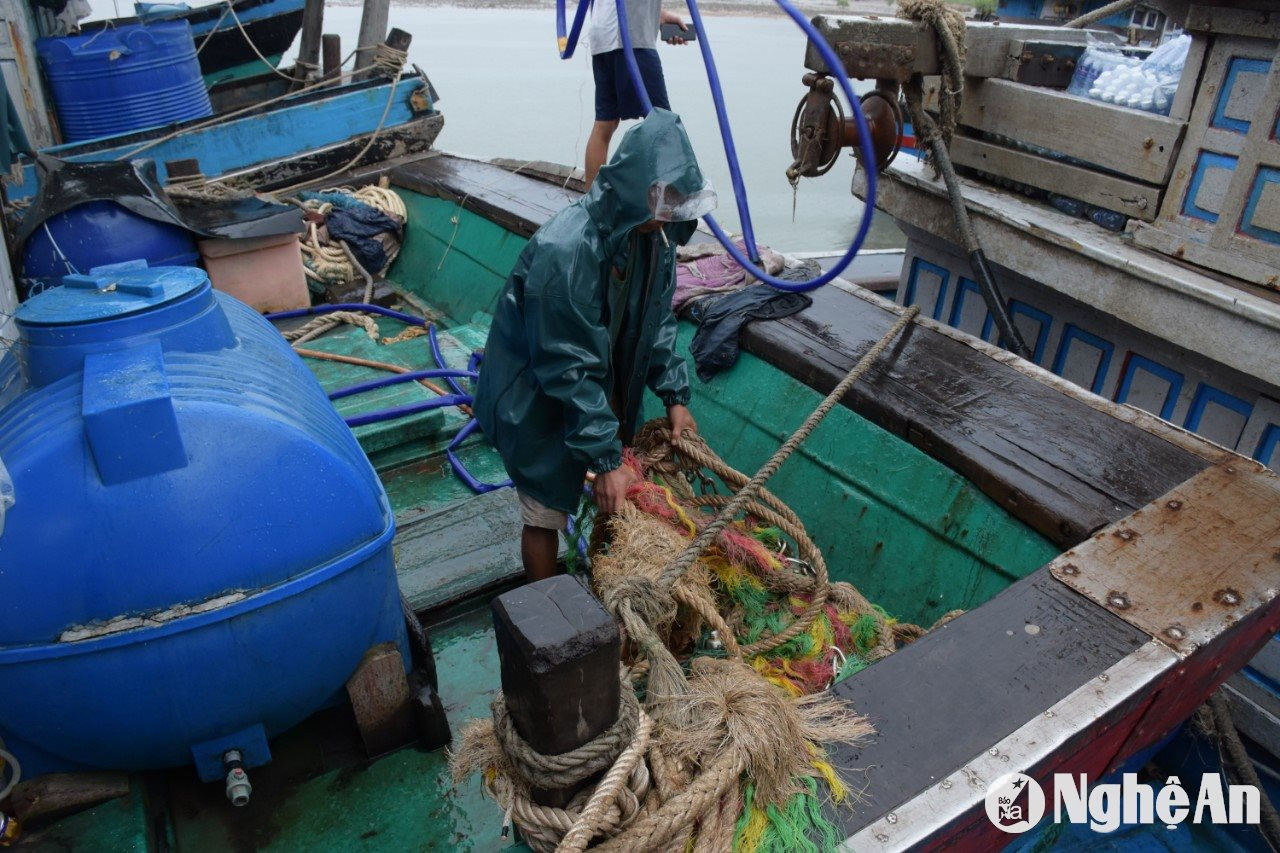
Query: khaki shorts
{"points": [[536, 514]]}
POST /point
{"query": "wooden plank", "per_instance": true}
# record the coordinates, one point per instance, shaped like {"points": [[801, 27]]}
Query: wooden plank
{"points": [[379, 694], [47, 798], [1259, 22], [448, 554], [513, 201], [1134, 143], [1192, 563], [1131, 198], [962, 688], [1060, 466], [1165, 238], [331, 46], [893, 48], [1041, 63]]}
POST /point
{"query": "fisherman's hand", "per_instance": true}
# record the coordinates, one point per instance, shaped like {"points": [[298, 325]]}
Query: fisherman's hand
{"points": [[611, 488], [681, 419], [666, 17]]}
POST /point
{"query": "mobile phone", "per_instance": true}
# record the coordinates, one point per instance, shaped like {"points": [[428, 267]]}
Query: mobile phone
{"points": [[671, 31]]}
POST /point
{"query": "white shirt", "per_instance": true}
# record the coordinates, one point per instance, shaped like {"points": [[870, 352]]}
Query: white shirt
{"points": [[642, 23]]}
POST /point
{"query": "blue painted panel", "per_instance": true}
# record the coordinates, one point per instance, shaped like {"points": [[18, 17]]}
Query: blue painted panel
{"points": [[1265, 176], [1267, 445], [966, 288], [1169, 375], [1207, 161], [266, 10], [917, 266], [1070, 335], [240, 143], [1238, 65], [1207, 395], [1018, 308]]}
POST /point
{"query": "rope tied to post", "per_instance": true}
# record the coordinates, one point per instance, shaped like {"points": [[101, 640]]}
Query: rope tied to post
{"points": [[735, 747], [948, 26]]}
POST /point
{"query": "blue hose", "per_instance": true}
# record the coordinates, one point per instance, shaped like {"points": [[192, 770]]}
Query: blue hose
{"points": [[461, 470], [731, 153], [436, 354], [407, 409], [412, 376], [347, 306]]}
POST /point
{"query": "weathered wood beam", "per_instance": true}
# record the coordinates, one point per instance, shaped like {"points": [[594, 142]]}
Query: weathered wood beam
{"points": [[1130, 142], [1131, 198], [871, 46], [560, 652]]}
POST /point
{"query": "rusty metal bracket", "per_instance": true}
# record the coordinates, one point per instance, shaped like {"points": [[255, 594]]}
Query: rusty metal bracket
{"points": [[1189, 565]]}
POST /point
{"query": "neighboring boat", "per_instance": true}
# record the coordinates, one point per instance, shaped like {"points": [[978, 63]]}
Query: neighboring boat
{"points": [[234, 39], [1114, 569]]}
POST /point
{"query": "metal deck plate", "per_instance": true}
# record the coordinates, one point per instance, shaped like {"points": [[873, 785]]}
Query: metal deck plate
{"points": [[1192, 563]]}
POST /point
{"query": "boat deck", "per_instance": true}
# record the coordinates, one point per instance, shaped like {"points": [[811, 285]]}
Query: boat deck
{"points": [[1177, 302]]}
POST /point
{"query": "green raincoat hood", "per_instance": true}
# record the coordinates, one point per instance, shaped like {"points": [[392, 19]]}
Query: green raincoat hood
{"points": [[584, 323], [655, 151]]}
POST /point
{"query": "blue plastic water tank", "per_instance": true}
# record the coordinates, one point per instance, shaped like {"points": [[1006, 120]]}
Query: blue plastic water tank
{"points": [[99, 233], [199, 553], [122, 79]]}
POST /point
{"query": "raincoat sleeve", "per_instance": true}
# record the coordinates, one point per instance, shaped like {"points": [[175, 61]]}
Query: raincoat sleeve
{"points": [[668, 375], [569, 356]]}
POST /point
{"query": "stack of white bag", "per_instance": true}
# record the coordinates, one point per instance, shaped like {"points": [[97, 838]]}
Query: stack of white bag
{"points": [[1149, 86]]}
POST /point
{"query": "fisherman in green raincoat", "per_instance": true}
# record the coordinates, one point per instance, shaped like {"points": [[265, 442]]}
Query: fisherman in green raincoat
{"points": [[583, 325]]}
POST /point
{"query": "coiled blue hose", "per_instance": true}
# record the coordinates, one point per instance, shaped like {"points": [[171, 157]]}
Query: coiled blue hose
{"points": [[568, 41]]}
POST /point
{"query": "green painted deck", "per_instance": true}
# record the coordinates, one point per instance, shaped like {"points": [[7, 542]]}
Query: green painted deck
{"points": [[915, 536], [404, 801]]}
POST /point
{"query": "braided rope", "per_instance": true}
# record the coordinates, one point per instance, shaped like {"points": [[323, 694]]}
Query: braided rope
{"points": [[567, 768], [678, 814], [753, 486]]}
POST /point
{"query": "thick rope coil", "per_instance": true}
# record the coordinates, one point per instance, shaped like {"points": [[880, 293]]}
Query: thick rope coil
{"points": [[324, 322], [753, 486], [594, 819], [948, 25], [569, 768]]}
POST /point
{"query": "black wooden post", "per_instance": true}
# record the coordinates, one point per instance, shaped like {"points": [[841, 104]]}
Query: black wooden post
{"points": [[373, 27], [559, 650], [331, 47], [309, 46]]}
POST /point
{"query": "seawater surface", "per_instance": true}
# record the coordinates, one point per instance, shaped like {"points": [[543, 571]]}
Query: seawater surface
{"points": [[506, 93]]}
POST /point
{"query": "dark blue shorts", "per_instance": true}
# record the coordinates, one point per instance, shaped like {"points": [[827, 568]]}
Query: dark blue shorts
{"points": [[616, 97]]}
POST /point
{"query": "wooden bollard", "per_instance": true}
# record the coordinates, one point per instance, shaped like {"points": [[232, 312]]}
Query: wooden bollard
{"points": [[331, 48], [559, 650], [309, 46]]}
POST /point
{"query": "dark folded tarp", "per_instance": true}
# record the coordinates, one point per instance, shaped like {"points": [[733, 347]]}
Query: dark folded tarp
{"points": [[721, 318]]}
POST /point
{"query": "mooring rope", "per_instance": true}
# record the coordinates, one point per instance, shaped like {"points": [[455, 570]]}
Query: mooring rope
{"points": [[568, 768]]}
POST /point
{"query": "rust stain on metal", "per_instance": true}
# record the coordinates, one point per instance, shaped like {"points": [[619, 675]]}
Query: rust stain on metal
{"points": [[1227, 597], [1191, 564]]}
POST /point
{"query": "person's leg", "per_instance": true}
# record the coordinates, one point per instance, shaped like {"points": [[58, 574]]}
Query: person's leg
{"points": [[540, 539], [598, 148], [604, 70], [538, 547]]}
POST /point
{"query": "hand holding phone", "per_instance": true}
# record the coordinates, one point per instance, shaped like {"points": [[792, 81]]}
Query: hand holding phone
{"points": [[676, 34]]}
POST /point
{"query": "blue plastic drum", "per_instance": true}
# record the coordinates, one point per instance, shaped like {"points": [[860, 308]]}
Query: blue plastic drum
{"points": [[198, 554], [98, 233], [122, 79]]}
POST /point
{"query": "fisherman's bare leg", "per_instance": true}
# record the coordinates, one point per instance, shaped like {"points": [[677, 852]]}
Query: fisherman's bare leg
{"points": [[538, 547], [598, 147]]}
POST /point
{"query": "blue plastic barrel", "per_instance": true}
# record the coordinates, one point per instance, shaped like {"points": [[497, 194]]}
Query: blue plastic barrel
{"points": [[98, 233], [124, 79], [198, 554]]}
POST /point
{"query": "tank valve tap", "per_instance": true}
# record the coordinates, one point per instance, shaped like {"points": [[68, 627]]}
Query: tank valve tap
{"points": [[238, 787]]}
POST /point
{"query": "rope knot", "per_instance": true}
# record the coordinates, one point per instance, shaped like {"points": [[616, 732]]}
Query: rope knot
{"points": [[565, 769], [642, 598]]}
